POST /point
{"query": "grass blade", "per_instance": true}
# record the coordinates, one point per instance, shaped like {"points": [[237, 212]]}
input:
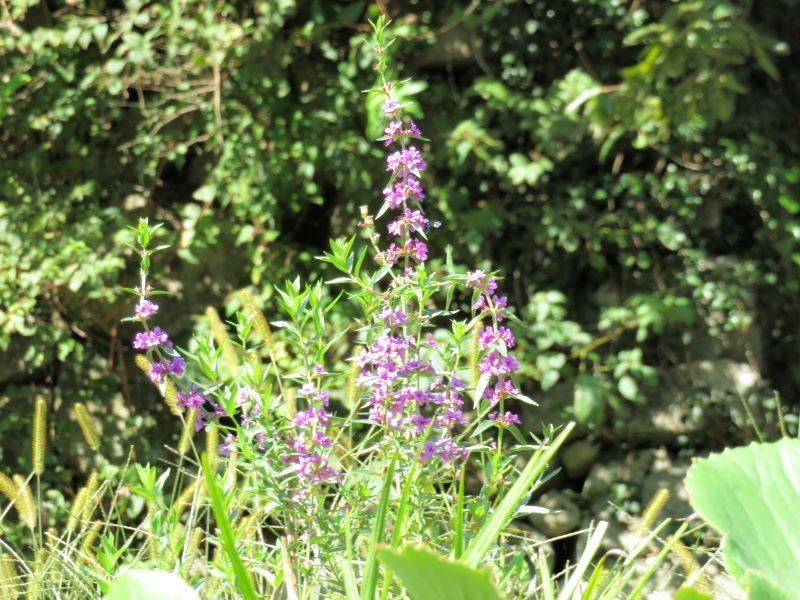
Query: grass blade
{"points": [[502, 514], [346, 564], [458, 526], [243, 582], [370, 582], [583, 563]]}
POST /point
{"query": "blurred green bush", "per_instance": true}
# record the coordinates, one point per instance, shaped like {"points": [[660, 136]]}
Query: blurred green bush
{"points": [[632, 166]]}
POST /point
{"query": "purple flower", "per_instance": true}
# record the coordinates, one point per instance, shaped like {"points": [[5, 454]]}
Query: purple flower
{"points": [[201, 421], [192, 399], [393, 318], [391, 107], [505, 420], [501, 389], [160, 370], [228, 444], [147, 340], [475, 279], [497, 364], [502, 335], [407, 160], [412, 220], [177, 366], [403, 189], [395, 130], [243, 395], [145, 309]]}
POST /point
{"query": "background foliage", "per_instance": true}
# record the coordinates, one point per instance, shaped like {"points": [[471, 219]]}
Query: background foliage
{"points": [[632, 166]]}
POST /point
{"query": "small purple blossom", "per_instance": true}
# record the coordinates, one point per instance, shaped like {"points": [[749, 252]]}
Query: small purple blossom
{"points": [[228, 445], [505, 420], [192, 399], [501, 389], [411, 221], [407, 160], [393, 318], [496, 364], [391, 107], [147, 340], [145, 309], [502, 335], [160, 370]]}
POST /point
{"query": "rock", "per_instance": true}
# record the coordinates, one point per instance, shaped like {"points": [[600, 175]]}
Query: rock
{"points": [[680, 410], [578, 458], [563, 516]]}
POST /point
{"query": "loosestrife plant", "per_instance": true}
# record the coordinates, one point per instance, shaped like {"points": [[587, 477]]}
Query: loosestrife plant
{"points": [[328, 450], [319, 450]]}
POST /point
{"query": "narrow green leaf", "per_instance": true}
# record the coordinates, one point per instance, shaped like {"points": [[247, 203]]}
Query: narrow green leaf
{"points": [[370, 582], [242, 578]]}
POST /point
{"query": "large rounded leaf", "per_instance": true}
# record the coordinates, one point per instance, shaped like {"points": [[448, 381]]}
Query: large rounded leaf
{"points": [[752, 496], [428, 576], [150, 585]]}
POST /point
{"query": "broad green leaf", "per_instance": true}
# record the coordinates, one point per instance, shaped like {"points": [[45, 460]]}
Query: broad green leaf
{"points": [[628, 387], [428, 576], [761, 587], [752, 496], [690, 593], [588, 400], [137, 584]]}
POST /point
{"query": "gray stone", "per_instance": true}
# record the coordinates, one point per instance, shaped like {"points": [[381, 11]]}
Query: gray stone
{"points": [[579, 457], [563, 516]]}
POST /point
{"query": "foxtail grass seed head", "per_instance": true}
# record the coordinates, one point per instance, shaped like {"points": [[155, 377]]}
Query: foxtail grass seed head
{"points": [[686, 559], [260, 323], [290, 402], [222, 338], [171, 397], [212, 446], [8, 488], [230, 471], [8, 578], [75, 510], [351, 401], [473, 357], [194, 542], [25, 504], [91, 536], [92, 497], [186, 497], [87, 425], [39, 438], [38, 575], [654, 508], [188, 432]]}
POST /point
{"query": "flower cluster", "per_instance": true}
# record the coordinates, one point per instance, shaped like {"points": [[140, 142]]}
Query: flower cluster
{"points": [[309, 441], [405, 395], [151, 339], [495, 341], [406, 165]]}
